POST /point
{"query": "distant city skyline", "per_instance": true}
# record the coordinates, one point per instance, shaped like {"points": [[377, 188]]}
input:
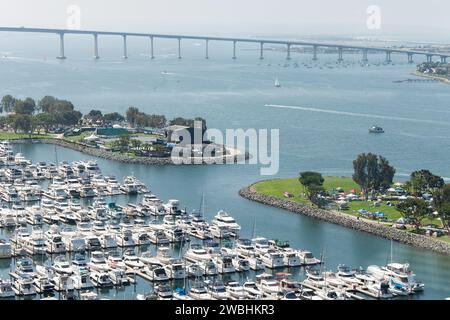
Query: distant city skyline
{"points": [[250, 17]]}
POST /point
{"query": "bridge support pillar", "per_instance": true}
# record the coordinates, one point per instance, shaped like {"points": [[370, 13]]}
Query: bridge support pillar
{"points": [[206, 48], [340, 59], [261, 54], [429, 58], [234, 50], [388, 57], [179, 48], [152, 55], [365, 58], [410, 58], [443, 59], [125, 51], [288, 55], [96, 56], [314, 53], [61, 47]]}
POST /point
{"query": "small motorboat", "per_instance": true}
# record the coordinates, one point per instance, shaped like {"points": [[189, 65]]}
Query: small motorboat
{"points": [[376, 129]]}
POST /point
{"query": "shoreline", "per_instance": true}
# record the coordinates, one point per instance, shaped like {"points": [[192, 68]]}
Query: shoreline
{"points": [[234, 158], [348, 221], [440, 79]]}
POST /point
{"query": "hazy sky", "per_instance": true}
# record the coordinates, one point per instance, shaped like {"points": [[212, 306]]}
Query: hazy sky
{"points": [[251, 17]]}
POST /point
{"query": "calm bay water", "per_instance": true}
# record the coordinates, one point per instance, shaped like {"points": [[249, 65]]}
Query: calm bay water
{"points": [[233, 94]]}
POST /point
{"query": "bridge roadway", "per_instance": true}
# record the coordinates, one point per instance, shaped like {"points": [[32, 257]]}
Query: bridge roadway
{"points": [[207, 39]]}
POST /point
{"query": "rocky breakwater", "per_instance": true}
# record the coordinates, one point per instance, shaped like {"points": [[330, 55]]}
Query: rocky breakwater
{"points": [[97, 152], [349, 221]]}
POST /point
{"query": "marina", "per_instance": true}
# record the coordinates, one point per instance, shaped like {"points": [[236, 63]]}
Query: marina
{"points": [[61, 243]]}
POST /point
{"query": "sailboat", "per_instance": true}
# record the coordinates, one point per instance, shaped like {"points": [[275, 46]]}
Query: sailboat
{"points": [[277, 83]]}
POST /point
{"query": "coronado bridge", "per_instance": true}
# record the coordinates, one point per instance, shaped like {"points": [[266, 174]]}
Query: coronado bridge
{"points": [[234, 41]]}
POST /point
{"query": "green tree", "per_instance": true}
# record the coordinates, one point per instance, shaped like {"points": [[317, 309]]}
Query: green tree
{"points": [[113, 117], [372, 173], [123, 143], [313, 185], [441, 203], [44, 121], [20, 122], [46, 103], [26, 106], [423, 181], [135, 143], [131, 114], [415, 210], [94, 115], [7, 103]]}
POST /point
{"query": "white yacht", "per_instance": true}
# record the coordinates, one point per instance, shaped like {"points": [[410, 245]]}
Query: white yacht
{"points": [[236, 291], [115, 261], [198, 291], [176, 269], [132, 261], [225, 263], [261, 245], [108, 241], [5, 249], [23, 286], [196, 253], [223, 219], [218, 291], [55, 244], [118, 277], [98, 261], [156, 273], [307, 258], [62, 266], [273, 259], [252, 290], [101, 279], [6, 289], [125, 239]]}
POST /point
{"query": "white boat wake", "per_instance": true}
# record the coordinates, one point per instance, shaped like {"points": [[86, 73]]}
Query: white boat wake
{"points": [[355, 114]]}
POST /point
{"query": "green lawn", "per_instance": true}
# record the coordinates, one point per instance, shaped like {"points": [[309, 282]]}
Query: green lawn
{"points": [[79, 137], [278, 187], [13, 136]]}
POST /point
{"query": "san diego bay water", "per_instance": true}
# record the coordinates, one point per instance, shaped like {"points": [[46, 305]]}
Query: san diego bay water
{"points": [[324, 125]]}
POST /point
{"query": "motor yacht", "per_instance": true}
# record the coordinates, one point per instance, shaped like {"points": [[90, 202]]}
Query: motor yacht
{"points": [[101, 279], [223, 219], [5, 249], [236, 291], [196, 253], [176, 269], [62, 266], [272, 259], [132, 261], [98, 262], [217, 290], [252, 291], [198, 291], [156, 273], [55, 244], [118, 277], [125, 239], [6, 289], [108, 241], [225, 264]]}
